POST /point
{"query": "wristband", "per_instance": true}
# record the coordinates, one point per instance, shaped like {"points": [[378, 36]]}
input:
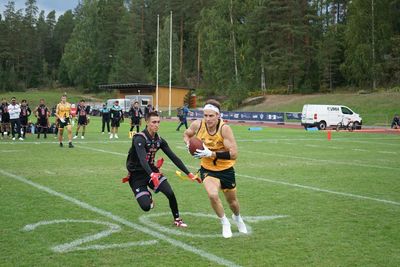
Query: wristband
{"points": [[223, 155]]}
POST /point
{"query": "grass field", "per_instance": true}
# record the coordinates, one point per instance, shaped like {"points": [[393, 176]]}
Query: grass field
{"points": [[336, 203]]}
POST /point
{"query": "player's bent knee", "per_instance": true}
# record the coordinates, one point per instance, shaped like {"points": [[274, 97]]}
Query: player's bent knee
{"points": [[144, 202]]}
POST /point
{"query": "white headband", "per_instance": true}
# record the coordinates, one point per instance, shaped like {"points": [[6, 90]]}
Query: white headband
{"points": [[211, 107]]}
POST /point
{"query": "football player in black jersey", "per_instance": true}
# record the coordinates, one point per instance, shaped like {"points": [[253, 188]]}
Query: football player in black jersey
{"points": [[145, 174]]}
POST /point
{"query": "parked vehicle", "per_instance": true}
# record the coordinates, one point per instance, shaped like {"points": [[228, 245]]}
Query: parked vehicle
{"points": [[325, 116]]}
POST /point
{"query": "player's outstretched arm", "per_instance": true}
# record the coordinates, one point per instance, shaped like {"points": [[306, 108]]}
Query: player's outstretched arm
{"points": [[170, 154]]}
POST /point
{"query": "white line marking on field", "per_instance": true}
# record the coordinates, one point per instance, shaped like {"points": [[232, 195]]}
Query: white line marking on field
{"points": [[49, 172], [9, 151], [202, 253], [325, 160], [320, 190], [74, 245], [359, 150], [294, 185], [387, 152]]}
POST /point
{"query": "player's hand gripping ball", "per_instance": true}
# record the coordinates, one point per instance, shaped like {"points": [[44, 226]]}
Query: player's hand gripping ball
{"points": [[195, 143]]}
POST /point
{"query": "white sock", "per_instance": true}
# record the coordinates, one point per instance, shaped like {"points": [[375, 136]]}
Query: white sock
{"points": [[237, 218], [224, 220]]}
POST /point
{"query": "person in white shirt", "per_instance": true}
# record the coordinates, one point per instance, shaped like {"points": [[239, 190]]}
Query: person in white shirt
{"points": [[15, 109]]}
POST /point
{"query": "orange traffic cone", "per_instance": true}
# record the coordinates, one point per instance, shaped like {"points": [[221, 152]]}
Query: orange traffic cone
{"points": [[329, 135]]}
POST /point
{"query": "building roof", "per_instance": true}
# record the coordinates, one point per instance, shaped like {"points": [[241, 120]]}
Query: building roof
{"points": [[122, 86], [127, 86]]}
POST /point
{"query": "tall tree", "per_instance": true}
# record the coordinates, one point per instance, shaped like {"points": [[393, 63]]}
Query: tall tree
{"points": [[128, 63]]}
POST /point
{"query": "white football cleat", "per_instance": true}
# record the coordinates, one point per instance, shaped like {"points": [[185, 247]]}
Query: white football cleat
{"points": [[111, 136], [179, 223], [226, 230], [22, 139], [240, 224], [116, 136], [75, 136], [82, 137]]}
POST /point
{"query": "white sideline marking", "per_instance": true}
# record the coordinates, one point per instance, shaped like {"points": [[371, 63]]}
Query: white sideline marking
{"points": [[174, 242], [288, 184], [73, 246], [324, 160], [320, 190], [9, 151], [387, 152], [360, 150]]}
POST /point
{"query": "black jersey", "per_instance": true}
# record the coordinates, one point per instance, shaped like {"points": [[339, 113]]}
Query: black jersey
{"points": [[82, 111], [42, 111], [5, 116], [142, 154], [25, 112], [135, 113]]}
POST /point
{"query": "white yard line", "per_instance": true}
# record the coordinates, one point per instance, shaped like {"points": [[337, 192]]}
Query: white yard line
{"points": [[280, 182], [320, 189], [204, 254], [323, 160]]}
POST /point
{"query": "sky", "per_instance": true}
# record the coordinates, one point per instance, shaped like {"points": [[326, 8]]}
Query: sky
{"points": [[60, 6]]}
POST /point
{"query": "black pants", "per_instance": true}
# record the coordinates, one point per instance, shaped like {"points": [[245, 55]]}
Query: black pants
{"points": [[143, 196], [104, 122], [15, 126]]}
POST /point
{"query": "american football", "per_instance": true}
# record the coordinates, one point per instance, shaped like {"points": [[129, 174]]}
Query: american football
{"points": [[195, 143]]}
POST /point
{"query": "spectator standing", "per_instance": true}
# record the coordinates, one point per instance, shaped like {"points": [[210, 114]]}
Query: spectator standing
{"points": [[24, 115], [147, 109], [117, 115], [105, 118], [83, 118], [5, 118], [15, 109], [395, 122], [184, 111], [136, 115], [42, 114]]}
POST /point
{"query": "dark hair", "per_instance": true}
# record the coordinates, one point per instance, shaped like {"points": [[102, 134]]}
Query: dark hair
{"points": [[135, 102], [82, 100], [23, 100], [13, 98], [214, 103], [152, 114]]}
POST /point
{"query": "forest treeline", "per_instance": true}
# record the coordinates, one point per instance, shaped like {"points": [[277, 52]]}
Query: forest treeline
{"points": [[222, 47]]}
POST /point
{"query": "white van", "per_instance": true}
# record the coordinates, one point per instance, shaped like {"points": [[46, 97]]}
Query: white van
{"points": [[324, 116]]}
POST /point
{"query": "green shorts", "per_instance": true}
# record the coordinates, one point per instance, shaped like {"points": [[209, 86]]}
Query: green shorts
{"points": [[226, 177]]}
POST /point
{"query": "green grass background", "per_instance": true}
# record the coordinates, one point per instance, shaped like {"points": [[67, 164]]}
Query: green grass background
{"points": [[322, 228]]}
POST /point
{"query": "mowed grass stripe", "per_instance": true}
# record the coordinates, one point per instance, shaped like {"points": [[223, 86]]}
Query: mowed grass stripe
{"points": [[204, 254], [276, 182]]}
